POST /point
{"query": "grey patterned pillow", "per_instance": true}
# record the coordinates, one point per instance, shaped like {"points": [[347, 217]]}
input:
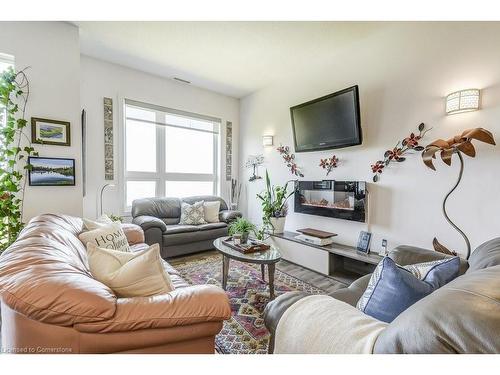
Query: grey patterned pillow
{"points": [[192, 214]]}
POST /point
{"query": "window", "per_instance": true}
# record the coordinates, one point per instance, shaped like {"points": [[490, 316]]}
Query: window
{"points": [[168, 153], [6, 61]]}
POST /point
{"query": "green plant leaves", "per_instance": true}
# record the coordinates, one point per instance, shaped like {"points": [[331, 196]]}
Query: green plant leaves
{"points": [[13, 153]]}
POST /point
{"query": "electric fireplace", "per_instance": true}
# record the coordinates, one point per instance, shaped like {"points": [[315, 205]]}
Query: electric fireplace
{"points": [[339, 199]]}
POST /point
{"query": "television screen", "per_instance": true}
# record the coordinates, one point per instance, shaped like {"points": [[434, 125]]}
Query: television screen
{"points": [[331, 121]]}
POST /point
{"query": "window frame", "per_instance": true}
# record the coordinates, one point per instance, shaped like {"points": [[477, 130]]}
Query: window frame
{"points": [[160, 176]]}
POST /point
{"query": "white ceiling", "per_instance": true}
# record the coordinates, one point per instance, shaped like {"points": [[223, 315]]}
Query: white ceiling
{"points": [[232, 58]]}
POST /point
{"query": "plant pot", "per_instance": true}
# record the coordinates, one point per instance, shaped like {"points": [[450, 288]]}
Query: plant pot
{"points": [[278, 224], [244, 238]]}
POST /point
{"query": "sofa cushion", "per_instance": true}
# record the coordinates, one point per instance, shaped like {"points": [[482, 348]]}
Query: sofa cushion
{"points": [[392, 288], [109, 236], [206, 198], [486, 255], [99, 222], [211, 211], [211, 226], [181, 228], [188, 237], [461, 317], [186, 306], [192, 214], [130, 274], [157, 207]]}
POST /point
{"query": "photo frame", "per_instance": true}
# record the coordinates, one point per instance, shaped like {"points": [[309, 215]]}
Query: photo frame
{"points": [[51, 171], [50, 132], [364, 242]]}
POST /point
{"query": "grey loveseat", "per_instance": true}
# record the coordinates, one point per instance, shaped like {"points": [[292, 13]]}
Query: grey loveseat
{"points": [[160, 217], [463, 316]]}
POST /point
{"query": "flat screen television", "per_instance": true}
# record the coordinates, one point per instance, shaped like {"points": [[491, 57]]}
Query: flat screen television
{"points": [[332, 121]]}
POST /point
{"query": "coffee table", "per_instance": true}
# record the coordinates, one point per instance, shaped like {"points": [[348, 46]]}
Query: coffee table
{"points": [[268, 257]]}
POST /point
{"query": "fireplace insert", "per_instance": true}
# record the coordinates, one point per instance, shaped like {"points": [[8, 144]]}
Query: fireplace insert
{"points": [[339, 199]]}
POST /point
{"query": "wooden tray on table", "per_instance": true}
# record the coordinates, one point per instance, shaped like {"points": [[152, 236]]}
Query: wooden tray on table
{"points": [[252, 246]]}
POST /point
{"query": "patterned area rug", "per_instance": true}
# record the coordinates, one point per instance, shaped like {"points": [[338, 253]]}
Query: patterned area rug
{"points": [[245, 332]]}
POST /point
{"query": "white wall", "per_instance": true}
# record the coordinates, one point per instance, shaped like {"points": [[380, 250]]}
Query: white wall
{"points": [[101, 79], [403, 72], [51, 50]]}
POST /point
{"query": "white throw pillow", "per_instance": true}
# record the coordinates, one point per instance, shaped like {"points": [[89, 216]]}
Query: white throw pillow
{"points": [[192, 214], [109, 236], [211, 211], [139, 274], [99, 222]]}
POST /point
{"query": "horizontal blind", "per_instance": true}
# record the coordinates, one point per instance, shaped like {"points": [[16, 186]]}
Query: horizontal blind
{"points": [[148, 113]]}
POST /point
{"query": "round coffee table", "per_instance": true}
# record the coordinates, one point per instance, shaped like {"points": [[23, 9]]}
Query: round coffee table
{"points": [[268, 257]]}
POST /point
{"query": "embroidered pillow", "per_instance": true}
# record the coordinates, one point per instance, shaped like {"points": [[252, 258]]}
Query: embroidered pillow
{"points": [[137, 274], [392, 288], [99, 222], [109, 236], [211, 211], [192, 214]]}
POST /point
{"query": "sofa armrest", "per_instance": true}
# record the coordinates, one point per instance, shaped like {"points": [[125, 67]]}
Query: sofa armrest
{"points": [[323, 325], [134, 233], [181, 307], [405, 255], [228, 216], [148, 222]]}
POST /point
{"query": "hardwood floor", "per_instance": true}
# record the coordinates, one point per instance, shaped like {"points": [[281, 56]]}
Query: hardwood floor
{"points": [[328, 284]]}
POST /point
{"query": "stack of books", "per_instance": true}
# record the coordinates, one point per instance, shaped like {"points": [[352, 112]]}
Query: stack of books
{"points": [[315, 237]]}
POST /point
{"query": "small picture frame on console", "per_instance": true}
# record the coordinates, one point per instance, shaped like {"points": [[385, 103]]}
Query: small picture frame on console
{"points": [[364, 242]]}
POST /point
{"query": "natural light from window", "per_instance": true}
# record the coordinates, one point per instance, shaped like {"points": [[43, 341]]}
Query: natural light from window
{"points": [[6, 61], [168, 153]]}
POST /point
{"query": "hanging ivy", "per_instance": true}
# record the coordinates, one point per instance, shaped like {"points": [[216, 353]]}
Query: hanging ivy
{"points": [[15, 148]]}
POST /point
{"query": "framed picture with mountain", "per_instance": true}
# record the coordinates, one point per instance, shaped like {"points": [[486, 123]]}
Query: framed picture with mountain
{"points": [[50, 132], [51, 171]]}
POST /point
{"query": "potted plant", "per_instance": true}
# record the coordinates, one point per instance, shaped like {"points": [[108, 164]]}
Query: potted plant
{"points": [[274, 205], [243, 227]]}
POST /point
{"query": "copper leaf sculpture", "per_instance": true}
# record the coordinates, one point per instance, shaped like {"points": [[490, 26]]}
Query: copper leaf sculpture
{"points": [[289, 160], [459, 144], [405, 146], [329, 164]]}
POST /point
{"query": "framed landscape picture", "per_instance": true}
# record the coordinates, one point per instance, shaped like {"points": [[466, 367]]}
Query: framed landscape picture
{"points": [[50, 132], [51, 171]]}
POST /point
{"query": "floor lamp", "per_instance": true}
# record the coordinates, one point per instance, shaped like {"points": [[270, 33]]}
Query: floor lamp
{"points": [[102, 192], [460, 144]]}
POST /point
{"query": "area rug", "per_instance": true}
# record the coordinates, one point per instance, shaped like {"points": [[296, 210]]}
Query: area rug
{"points": [[245, 332]]}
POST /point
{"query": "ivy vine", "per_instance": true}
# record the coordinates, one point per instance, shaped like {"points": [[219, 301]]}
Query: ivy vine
{"points": [[15, 148]]}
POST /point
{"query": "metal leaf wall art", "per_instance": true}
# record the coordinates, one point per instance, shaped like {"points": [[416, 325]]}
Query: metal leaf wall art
{"points": [[459, 144], [329, 164], [407, 145], [289, 160]]}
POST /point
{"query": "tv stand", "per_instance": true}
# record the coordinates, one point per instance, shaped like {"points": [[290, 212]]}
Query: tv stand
{"points": [[341, 262]]}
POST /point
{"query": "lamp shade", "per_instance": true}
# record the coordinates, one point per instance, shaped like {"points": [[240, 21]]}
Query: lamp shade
{"points": [[267, 140], [462, 101]]}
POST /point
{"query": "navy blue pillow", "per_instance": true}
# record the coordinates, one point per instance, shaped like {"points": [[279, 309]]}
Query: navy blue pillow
{"points": [[392, 288]]}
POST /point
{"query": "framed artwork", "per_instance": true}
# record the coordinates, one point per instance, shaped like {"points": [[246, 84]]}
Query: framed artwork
{"points": [[364, 242], [50, 132], [51, 171]]}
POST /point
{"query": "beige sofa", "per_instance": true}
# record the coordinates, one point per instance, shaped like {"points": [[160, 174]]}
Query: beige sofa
{"points": [[51, 304]]}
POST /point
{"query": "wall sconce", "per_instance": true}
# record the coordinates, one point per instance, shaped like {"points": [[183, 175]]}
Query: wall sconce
{"points": [[462, 101], [267, 140]]}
